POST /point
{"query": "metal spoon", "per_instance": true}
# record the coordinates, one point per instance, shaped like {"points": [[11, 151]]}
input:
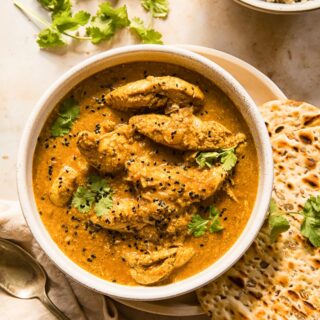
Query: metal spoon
{"points": [[23, 277]]}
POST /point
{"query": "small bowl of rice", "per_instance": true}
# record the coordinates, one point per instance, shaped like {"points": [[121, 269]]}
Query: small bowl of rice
{"points": [[281, 6]]}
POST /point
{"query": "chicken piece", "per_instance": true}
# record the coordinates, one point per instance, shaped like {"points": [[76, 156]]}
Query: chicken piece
{"points": [[70, 176], [175, 187], [184, 131], [149, 269], [155, 92], [124, 216], [109, 152], [133, 214], [107, 126]]}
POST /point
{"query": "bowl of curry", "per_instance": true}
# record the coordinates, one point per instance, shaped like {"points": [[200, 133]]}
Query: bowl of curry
{"points": [[145, 172]]}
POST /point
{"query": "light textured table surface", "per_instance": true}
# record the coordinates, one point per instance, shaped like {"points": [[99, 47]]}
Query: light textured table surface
{"points": [[286, 48]]}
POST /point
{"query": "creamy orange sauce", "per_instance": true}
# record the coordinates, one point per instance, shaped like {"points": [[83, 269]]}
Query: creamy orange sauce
{"points": [[96, 251]]}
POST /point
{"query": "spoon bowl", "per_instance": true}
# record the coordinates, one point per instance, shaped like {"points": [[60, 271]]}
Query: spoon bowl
{"points": [[23, 277]]}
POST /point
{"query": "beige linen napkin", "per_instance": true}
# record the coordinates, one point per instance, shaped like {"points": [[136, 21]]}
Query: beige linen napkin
{"points": [[76, 301]]}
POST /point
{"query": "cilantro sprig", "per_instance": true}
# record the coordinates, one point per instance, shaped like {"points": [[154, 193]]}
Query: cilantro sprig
{"points": [[158, 8], [227, 157], [53, 35], [310, 227], [68, 113], [96, 195], [101, 27], [199, 225]]}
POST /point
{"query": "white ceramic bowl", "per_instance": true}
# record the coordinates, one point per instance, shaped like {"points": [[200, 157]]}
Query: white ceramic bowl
{"points": [[280, 8], [108, 59]]}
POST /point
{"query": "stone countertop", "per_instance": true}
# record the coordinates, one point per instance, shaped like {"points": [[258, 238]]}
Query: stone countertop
{"points": [[286, 48]]}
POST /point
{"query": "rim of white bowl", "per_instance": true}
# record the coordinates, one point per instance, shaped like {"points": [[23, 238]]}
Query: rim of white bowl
{"points": [[42, 236], [271, 7]]}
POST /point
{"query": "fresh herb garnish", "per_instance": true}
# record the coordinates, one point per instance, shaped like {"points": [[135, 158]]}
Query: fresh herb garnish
{"points": [[146, 35], [310, 227], [199, 225], [214, 216], [56, 6], [228, 158], [277, 221], [103, 205], [68, 113], [106, 22], [100, 27], [65, 21], [158, 8], [83, 199], [96, 194], [49, 38]]}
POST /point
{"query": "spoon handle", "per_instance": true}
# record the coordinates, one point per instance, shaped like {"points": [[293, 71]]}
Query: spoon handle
{"points": [[52, 308]]}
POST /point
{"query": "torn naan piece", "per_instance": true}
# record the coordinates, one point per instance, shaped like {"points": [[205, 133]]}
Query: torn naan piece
{"points": [[288, 115], [278, 280]]}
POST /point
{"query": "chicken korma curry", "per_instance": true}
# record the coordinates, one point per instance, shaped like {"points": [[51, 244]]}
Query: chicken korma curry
{"points": [[145, 174]]}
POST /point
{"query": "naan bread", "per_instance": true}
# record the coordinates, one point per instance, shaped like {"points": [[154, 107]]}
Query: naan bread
{"points": [[286, 116], [296, 158], [278, 280]]}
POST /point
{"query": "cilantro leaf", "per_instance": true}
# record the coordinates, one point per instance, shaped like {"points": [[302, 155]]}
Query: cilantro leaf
{"points": [[98, 184], [65, 21], [147, 35], [106, 22], [56, 6], [68, 113], [49, 38], [277, 224], [96, 193], [103, 206], [118, 16], [158, 8], [207, 158], [198, 226], [83, 199], [277, 221], [310, 227], [214, 216], [228, 158]]}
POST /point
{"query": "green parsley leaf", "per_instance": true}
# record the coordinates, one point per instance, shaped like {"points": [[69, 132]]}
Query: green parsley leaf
{"points": [[83, 199], [103, 206], [146, 35], [228, 158], [215, 225], [158, 8], [277, 221], [198, 226], [56, 6], [65, 21], [310, 227], [49, 38], [106, 22], [68, 113]]}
